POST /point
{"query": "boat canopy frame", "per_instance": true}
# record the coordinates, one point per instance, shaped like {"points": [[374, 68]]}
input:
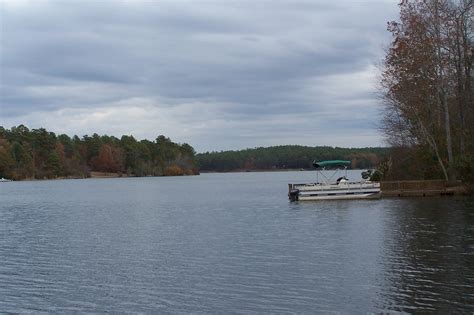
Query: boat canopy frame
{"points": [[321, 166]]}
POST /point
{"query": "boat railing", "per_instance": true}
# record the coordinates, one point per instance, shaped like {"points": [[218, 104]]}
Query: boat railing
{"points": [[321, 186]]}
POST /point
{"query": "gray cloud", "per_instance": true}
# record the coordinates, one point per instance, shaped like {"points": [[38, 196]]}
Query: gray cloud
{"points": [[214, 74]]}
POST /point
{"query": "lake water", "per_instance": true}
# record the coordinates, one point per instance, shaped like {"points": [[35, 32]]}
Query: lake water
{"points": [[228, 243]]}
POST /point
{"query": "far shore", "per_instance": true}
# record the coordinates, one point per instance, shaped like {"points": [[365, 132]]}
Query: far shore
{"points": [[258, 170], [418, 189], [108, 175], [94, 175]]}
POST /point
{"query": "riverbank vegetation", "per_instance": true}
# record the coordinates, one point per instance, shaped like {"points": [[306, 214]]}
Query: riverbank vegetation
{"points": [[39, 154], [287, 157], [428, 91]]}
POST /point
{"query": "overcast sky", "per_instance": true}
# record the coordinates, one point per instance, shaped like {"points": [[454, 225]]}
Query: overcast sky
{"points": [[216, 74]]}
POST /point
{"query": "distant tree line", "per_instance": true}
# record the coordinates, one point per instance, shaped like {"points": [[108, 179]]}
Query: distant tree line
{"points": [[38, 153], [287, 157], [428, 85]]}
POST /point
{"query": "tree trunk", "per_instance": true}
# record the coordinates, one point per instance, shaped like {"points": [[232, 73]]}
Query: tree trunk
{"points": [[432, 142], [449, 144], [460, 83]]}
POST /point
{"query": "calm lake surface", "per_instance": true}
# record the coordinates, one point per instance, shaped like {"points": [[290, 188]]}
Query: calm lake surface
{"points": [[229, 243]]}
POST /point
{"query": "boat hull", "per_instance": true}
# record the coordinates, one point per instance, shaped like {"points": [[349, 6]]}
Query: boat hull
{"points": [[316, 191], [371, 195]]}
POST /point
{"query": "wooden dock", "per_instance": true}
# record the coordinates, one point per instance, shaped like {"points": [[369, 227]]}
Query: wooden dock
{"points": [[421, 188]]}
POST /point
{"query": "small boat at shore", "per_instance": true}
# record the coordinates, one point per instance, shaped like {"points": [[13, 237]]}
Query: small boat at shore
{"points": [[4, 180], [342, 188]]}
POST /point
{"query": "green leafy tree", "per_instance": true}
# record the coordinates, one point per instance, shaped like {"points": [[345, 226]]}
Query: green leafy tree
{"points": [[53, 165]]}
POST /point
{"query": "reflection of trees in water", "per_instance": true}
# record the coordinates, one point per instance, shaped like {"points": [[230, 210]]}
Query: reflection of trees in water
{"points": [[428, 258]]}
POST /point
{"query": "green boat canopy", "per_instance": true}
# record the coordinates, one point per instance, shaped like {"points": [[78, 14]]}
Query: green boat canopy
{"points": [[332, 163]]}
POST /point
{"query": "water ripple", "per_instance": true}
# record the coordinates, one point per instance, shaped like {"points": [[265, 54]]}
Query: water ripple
{"points": [[165, 245]]}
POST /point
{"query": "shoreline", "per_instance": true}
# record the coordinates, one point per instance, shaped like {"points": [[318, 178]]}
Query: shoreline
{"points": [[95, 175], [259, 170], [393, 188]]}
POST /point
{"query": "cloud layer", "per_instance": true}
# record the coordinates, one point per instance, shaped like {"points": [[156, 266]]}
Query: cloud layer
{"points": [[215, 74]]}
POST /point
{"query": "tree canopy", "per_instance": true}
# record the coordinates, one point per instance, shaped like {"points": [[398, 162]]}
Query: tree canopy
{"points": [[38, 153], [428, 88], [287, 157]]}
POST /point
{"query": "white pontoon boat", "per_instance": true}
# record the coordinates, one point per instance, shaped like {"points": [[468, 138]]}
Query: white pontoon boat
{"points": [[342, 188]]}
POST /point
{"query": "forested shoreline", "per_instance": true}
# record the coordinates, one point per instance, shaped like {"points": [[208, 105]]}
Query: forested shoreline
{"points": [[288, 157], [41, 154], [427, 82]]}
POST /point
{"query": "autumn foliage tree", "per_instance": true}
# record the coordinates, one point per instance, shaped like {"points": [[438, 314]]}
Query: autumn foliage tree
{"points": [[110, 159], [427, 82]]}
